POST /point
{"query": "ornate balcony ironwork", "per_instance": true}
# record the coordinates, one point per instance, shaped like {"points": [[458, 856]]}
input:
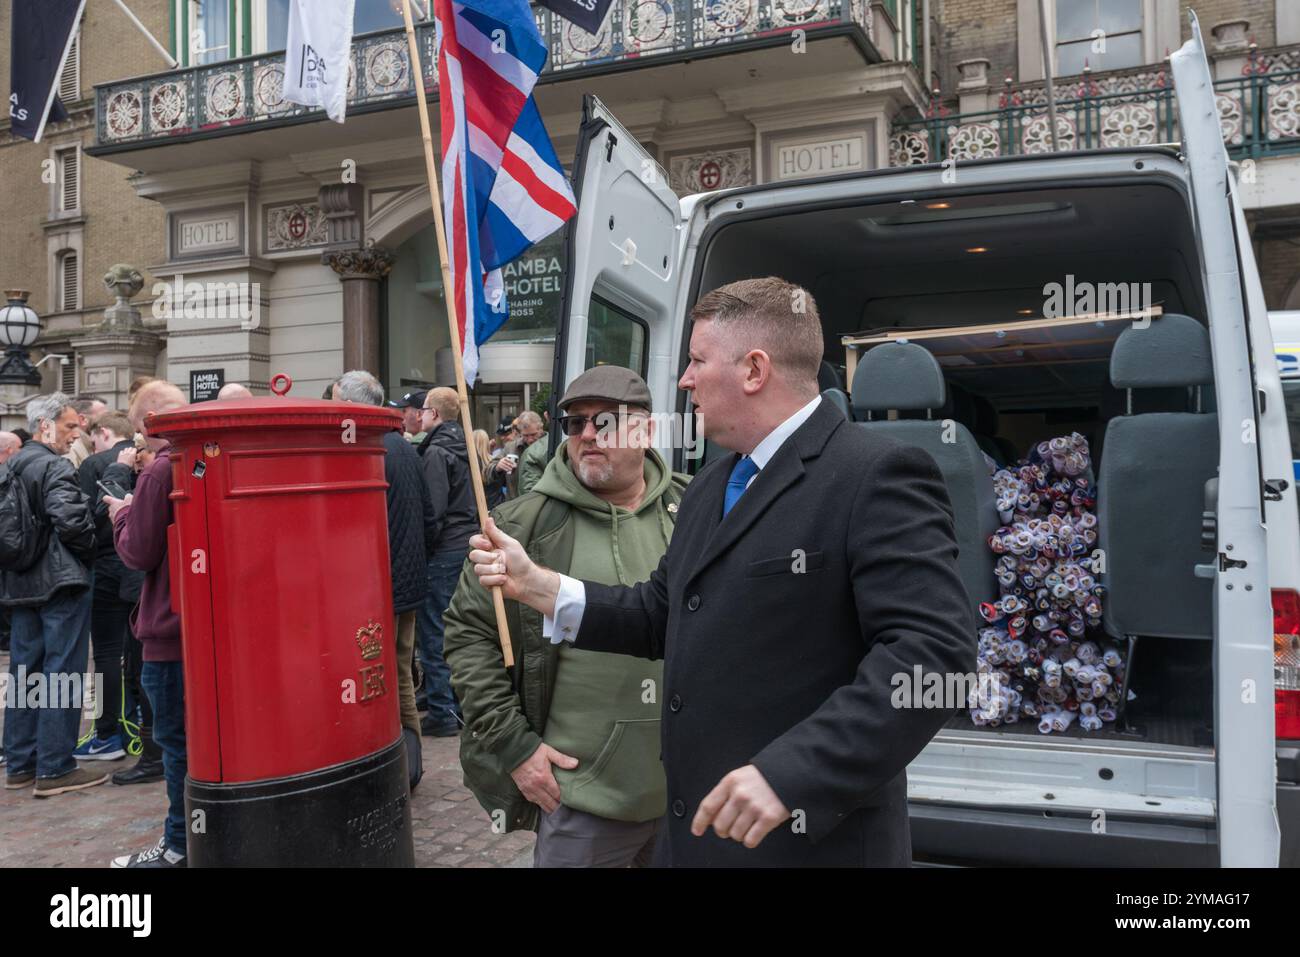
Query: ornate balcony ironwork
{"points": [[246, 93], [1258, 111]]}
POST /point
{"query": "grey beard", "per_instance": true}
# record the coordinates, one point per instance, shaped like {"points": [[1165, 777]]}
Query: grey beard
{"points": [[594, 476]]}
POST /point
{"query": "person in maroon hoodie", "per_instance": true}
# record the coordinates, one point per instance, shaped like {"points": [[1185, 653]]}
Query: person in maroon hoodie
{"points": [[140, 535]]}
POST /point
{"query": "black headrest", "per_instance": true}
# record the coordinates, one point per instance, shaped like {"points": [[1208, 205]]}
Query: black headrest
{"points": [[837, 398], [898, 375], [1173, 350]]}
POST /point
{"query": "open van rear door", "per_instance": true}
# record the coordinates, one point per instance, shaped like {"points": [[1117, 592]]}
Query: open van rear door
{"points": [[624, 263], [1243, 629]]}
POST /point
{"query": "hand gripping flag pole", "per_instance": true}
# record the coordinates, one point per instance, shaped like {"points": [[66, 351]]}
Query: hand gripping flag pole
{"points": [[480, 499]]}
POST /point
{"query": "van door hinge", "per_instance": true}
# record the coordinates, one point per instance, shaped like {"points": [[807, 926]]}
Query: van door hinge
{"points": [[1225, 562], [610, 142], [1273, 489]]}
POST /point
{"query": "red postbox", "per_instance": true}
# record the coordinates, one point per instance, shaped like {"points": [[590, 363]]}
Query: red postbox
{"points": [[280, 572]]}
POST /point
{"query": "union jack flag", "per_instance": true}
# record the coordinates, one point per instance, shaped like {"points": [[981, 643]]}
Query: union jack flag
{"points": [[504, 189]]}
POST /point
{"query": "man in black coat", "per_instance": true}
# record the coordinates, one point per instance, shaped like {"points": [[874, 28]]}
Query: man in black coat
{"points": [[444, 461], [116, 587], [807, 571], [51, 610], [410, 516]]}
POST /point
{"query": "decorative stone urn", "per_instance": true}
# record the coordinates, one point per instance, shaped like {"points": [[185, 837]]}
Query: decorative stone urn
{"points": [[125, 282]]}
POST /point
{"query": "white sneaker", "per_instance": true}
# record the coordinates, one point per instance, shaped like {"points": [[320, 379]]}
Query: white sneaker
{"points": [[156, 856]]}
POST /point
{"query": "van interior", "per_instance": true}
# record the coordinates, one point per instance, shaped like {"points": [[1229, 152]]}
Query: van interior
{"points": [[975, 260]]}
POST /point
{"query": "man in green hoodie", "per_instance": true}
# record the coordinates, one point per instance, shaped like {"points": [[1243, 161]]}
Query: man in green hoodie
{"points": [[569, 744]]}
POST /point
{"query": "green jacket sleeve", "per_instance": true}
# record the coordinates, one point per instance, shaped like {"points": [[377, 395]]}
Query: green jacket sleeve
{"points": [[494, 717]]}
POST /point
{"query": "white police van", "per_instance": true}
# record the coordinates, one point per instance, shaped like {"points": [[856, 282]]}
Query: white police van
{"points": [[1187, 421]]}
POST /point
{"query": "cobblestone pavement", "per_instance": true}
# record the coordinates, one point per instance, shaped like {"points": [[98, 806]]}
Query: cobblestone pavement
{"points": [[89, 828]]}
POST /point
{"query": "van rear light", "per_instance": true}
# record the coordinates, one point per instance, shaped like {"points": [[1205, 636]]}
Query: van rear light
{"points": [[1286, 662]]}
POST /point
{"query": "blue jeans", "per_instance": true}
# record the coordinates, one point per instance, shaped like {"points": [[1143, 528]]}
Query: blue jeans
{"points": [[164, 683], [51, 640], [444, 571]]}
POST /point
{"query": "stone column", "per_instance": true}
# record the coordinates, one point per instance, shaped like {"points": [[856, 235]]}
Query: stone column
{"points": [[360, 271]]}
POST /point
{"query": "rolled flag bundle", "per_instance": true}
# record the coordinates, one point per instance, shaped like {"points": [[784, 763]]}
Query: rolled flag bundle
{"points": [[1050, 595]]}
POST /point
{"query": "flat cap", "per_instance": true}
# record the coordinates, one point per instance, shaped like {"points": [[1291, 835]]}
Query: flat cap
{"points": [[611, 384]]}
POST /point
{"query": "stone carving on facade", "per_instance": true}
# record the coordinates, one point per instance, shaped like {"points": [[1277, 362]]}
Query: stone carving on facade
{"points": [[715, 169], [373, 262], [294, 226], [341, 205]]}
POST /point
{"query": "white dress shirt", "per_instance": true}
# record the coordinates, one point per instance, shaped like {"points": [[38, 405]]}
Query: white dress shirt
{"points": [[571, 601]]}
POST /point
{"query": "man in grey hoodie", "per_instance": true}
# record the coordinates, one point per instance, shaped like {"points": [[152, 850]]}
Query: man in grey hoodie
{"points": [[572, 749]]}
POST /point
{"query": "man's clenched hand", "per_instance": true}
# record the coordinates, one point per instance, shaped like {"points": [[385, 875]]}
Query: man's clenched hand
{"points": [[499, 559], [742, 807]]}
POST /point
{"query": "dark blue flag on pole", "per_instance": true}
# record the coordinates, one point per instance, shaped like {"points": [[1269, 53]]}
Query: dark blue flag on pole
{"points": [[588, 14], [40, 36]]}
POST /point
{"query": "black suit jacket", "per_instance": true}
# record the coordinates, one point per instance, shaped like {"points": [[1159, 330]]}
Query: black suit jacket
{"points": [[781, 628]]}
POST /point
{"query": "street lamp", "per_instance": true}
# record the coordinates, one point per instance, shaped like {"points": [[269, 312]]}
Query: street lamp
{"points": [[19, 327]]}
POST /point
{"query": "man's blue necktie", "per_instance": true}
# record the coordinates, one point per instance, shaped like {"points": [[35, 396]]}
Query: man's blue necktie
{"points": [[744, 470]]}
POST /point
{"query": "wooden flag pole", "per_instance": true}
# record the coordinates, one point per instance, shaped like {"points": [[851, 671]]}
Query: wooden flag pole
{"points": [[480, 499]]}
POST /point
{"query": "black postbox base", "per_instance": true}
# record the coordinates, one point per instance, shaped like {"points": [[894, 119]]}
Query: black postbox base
{"points": [[356, 814]]}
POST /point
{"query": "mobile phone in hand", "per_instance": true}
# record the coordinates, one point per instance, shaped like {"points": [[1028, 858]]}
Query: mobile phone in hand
{"points": [[112, 490]]}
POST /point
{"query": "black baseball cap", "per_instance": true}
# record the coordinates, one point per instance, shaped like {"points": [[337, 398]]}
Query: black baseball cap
{"points": [[506, 425], [412, 400]]}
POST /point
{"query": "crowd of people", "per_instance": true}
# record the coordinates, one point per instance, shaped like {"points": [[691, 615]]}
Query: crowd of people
{"points": [[702, 666], [97, 486]]}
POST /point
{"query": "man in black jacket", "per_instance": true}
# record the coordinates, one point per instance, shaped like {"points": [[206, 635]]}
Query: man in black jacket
{"points": [[410, 516], [807, 571], [51, 611], [116, 587], [445, 462]]}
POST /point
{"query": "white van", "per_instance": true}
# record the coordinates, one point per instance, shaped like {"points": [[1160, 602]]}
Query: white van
{"points": [[1203, 575]]}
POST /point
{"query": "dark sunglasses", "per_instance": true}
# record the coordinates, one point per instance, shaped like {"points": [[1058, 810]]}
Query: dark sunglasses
{"points": [[575, 425]]}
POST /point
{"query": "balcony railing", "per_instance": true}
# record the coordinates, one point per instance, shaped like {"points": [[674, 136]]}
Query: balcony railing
{"points": [[247, 92], [1259, 113]]}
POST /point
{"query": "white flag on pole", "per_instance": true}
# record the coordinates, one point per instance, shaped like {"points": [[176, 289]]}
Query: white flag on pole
{"points": [[317, 53]]}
